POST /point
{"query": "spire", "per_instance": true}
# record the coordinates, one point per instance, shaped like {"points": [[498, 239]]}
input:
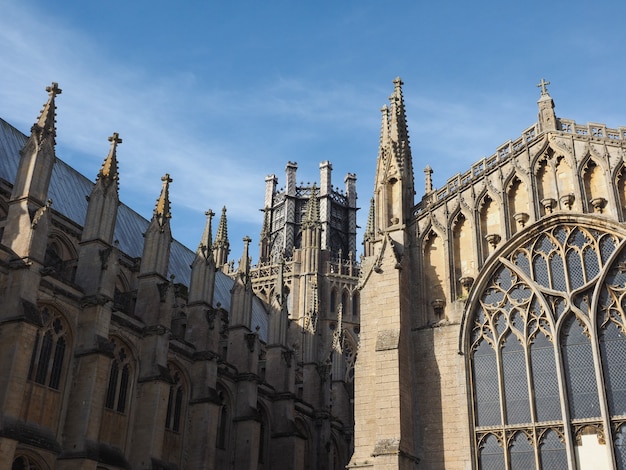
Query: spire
{"points": [[201, 284], [370, 230], [109, 171], [46, 123], [264, 242], [244, 262], [312, 210], [30, 188], [221, 246], [104, 199], [547, 118], [394, 188], [222, 229], [398, 130], [162, 212], [204, 248], [37, 157], [158, 236]]}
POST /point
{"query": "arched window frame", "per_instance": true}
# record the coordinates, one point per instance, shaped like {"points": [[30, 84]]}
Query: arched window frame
{"points": [[121, 375], [174, 418], [50, 351], [602, 262], [263, 457], [222, 437]]}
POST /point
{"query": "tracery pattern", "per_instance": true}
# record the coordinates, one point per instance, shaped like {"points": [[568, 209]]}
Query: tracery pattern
{"points": [[548, 305]]}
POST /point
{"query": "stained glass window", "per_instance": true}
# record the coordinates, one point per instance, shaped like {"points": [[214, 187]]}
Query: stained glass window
{"points": [[547, 307]]}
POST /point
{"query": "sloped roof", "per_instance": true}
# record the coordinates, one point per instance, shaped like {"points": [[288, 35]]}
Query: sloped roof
{"points": [[69, 190]]}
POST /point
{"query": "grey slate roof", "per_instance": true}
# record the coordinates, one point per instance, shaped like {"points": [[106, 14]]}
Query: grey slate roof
{"points": [[69, 190]]}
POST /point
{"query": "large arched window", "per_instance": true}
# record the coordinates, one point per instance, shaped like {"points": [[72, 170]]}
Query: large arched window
{"points": [[546, 344]]}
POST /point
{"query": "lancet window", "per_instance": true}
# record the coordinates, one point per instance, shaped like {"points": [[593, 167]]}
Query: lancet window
{"points": [[119, 379], [546, 345], [49, 351], [175, 404]]}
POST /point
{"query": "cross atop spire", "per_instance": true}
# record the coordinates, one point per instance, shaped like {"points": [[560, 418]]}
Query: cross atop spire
{"points": [[45, 125], [115, 139], [544, 86], [109, 167], [53, 90]]}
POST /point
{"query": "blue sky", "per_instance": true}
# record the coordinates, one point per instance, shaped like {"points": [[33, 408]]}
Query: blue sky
{"points": [[221, 94]]}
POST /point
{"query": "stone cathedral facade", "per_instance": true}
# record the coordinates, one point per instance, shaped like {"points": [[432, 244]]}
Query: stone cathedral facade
{"points": [[493, 309], [122, 349]]}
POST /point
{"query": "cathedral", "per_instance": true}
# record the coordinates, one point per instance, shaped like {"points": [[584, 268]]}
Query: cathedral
{"points": [[488, 315], [493, 309], [120, 348]]}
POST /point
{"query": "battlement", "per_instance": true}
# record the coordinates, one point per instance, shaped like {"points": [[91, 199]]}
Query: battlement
{"points": [[591, 131]]}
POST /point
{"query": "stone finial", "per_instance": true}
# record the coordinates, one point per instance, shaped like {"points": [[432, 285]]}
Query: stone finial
{"points": [[428, 179], [244, 262], [222, 229], [109, 170], [46, 122], [221, 245], [547, 116], [162, 208], [204, 247]]}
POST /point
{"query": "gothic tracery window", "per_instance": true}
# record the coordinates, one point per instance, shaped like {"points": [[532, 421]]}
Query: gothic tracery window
{"points": [[48, 355], [119, 379], [548, 308]]}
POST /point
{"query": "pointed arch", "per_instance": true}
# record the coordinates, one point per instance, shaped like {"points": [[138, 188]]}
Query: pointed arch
{"points": [[463, 264], [305, 435], [619, 183], [175, 416], [224, 426], [595, 186], [122, 379], [356, 304], [61, 256], [349, 349], [49, 369], [489, 223], [265, 432], [536, 321], [435, 275], [345, 301], [519, 205]]}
